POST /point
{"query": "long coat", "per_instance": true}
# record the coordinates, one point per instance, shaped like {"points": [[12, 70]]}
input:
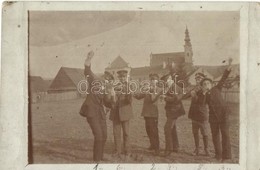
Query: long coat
{"points": [[218, 110], [122, 109], [199, 109], [93, 103], [174, 107], [150, 108]]}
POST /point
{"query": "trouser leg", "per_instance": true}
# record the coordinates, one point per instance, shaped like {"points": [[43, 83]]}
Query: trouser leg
{"points": [[154, 133], [149, 130], [195, 131], [216, 139], [226, 147], [168, 133], [204, 132], [98, 138], [125, 127], [175, 141], [104, 134], [117, 136]]}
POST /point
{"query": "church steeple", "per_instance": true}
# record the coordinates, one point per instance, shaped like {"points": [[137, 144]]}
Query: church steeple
{"points": [[188, 47]]}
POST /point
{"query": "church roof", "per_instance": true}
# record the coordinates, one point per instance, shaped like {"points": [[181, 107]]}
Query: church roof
{"points": [[119, 62], [176, 57]]}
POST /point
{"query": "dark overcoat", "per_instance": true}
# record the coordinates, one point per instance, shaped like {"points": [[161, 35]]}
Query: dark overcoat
{"points": [[93, 104], [218, 110], [173, 107]]}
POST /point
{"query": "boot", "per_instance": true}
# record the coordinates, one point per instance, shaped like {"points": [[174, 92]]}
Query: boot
{"points": [[197, 143], [205, 141]]}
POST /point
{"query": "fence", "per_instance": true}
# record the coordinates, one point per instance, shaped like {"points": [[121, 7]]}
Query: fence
{"points": [[231, 96], [45, 97]]}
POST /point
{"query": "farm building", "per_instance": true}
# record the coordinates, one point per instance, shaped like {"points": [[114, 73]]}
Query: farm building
{"points": [[66, 80], [37, 87]]}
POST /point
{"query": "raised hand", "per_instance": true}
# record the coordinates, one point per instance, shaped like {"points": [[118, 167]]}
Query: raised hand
{"points": [[89, 58]]}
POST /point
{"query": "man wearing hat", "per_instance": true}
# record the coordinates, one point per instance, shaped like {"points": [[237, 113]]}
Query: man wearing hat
{"points": [[121, 113], [93, 110], [150, 112], [218, 115], [174, 109], [198, 113]]}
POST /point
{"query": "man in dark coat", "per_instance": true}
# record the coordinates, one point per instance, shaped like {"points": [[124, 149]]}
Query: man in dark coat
{"points": [[93, 110], [150, 112], [218, 116], [174, 109], [121, 113], [198, 113]]}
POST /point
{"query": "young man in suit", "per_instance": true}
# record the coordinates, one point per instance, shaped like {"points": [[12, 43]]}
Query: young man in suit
{"points": [[218, 116], [198, 113], [121, 113], [150, 112], [174, 109]]}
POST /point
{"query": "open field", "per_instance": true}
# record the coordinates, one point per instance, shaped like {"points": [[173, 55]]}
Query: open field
{"points": [[61, 135]]}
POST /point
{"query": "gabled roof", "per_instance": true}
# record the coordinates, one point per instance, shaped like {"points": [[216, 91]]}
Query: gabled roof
{"points": [[75, 74], [176, 57], [37, 84], [67, 79], [119, 62]]}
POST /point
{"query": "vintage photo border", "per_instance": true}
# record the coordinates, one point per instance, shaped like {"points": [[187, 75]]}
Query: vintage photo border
{"points": [[14, 78]]}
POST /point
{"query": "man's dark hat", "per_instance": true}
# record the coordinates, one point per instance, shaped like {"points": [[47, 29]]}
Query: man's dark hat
{"points": [[165, 77], [201, 75], [109, 75], [122, 73], [154, 75], [205, 79]]}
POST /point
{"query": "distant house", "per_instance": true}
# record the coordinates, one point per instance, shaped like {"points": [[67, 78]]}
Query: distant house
{"points": [[118, 64], [37, 88], [67, 79], [38, 85]]}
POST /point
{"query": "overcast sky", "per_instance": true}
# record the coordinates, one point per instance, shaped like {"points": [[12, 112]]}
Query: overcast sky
{"points": [[64, 38]]}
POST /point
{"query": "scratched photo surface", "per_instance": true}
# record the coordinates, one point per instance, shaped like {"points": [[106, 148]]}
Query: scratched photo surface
{"points": [[140, 43]]}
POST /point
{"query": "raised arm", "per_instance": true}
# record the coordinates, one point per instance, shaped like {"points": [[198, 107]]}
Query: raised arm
{"points": [[87, 71], [225, 75]]}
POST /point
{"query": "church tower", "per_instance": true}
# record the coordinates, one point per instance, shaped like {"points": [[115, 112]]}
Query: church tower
{"points": [[188, 48]]}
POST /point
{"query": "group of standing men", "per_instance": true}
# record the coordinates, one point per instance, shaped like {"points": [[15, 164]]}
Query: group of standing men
{"points": [[206, 102]]}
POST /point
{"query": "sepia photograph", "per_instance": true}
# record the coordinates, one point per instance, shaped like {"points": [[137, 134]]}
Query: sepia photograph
{"points": [[133, 87]]}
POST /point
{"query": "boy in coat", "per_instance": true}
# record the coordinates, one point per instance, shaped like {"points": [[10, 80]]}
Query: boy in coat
{"points": [[198, 113], [174, 109], [218, 116]]}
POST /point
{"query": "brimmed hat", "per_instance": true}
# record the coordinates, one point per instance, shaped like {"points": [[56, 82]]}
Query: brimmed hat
{"points": [[109, 75], [122, 73], [205, 79], [165, 77], [200, 75], [154, 75]]}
